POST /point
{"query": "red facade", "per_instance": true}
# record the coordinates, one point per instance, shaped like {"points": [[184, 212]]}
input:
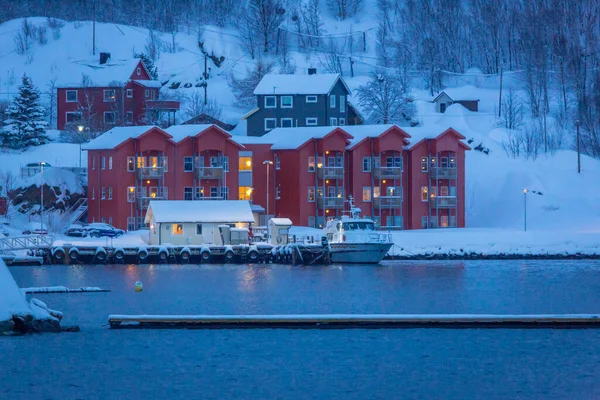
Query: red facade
{"points": [[99, 108], [399, 182]]}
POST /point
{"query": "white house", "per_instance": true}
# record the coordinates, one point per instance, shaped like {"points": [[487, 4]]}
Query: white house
{"points": [[180, 222]]}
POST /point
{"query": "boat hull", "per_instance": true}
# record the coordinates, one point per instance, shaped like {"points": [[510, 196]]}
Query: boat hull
{"points": [[358, 253]]}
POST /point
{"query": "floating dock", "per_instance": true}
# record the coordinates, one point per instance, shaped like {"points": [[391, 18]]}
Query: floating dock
{"points": [[356, 321]]}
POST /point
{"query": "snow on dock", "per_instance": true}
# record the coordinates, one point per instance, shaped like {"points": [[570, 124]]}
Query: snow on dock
{"points": [[349, 321], [62, 289]]}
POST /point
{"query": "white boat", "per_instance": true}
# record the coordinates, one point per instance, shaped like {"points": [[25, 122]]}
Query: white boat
{"points": [[354, 239]]}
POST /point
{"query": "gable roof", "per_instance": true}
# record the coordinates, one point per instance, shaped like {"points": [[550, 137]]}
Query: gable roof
{"points": [[114, 73], [226, 211], [294, 138], [116, 136], [362, 132], [465, 93], [208, 119], [148, 83], [181, 132], [420, 133], [298, 84]]}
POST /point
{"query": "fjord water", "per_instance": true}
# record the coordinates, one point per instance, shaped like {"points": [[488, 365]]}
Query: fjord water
{"points": [[383, 363]]}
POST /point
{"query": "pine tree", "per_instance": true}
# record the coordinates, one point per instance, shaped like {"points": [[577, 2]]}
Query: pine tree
{"points": [[25, 124], [149, 64]]}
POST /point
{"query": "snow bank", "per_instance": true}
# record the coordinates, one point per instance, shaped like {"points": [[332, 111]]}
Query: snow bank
{"points": [[12, 300], [56, 154]]}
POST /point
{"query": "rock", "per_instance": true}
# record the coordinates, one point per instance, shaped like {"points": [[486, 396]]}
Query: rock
{"points": [[6, 327], [44, 325]]}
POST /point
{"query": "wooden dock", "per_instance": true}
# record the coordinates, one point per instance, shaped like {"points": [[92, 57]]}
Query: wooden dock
{"points": [[357, 321]]}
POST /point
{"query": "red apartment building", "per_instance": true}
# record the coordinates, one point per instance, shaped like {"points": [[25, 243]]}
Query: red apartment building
{"points": [[110, 94], [409, 178]]}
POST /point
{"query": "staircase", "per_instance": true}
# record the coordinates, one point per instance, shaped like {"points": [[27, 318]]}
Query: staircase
{"points": [[73, 214]]}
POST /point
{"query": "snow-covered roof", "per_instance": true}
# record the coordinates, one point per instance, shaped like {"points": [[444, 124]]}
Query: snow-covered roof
{"points": [[464, 93], [116, 136], [180, 132], [113, 73], [361, 132], [280, 221], [297, 84], [149, 83], [293, 138], [249, 113], [419, 133], [214, 211]]}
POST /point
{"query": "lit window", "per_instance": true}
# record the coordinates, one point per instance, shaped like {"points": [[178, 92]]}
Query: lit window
{"points": [[424, 164], [376, 192], [130, 164], [199, 192], [311, 194], [109, 96], [177, 229], [424, 193], [245, 163], [311, 164], [245, 193], [366, 194], [141, 162]]}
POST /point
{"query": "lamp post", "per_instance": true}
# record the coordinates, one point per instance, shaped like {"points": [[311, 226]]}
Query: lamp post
{"points": [[525, 209], [267, 163], [80, 128], [42, 197]]}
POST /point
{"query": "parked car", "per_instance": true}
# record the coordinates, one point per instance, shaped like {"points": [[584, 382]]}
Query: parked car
{"points": [[77, 231], [97, 229], [35, 228]]}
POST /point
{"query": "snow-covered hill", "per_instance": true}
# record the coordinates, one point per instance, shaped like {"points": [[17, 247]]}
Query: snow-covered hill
{"points": [[495, 182]]}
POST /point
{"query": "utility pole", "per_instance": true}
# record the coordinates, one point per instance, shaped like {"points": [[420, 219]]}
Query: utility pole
{"points": [[525, 209], [205, 78], [42, 198], [500, 98], [94, 30], [267, 163], [578, 148]]}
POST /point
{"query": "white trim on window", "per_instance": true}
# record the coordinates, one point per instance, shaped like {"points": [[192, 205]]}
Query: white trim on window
{"points": [[129, 93], [366, 164], [109, 99], [274, 120], [274, 105], [342, 121], [342, 104], [311, 99], [129, 117], [147, 93], [138, 71], [332, 101], [73, 113], [114, 117], [67, 96], [283, 122], [312, 121], [290, 98], [333, 121]]}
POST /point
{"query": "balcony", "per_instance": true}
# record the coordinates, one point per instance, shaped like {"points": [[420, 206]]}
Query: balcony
{"points": [[335, 203], [209, 173], [387, 202], [143, 202], [330, 173], [163, 105], [442, 202], [388, 172], [442, 172], [150, 172]]}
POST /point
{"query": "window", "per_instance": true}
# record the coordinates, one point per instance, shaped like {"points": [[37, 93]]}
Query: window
{"points": [[93, 162], [198, 229], [452, 162], [311, 99], [424, 222], [366, 165], [331, 161], [129, 93], [287, 122], [165, 163], [138, 71], [311, 194], [130, 164], [277, 192], [93, 193], [391, 191], [129, 117], [342, 104], [130, 223], [311, 164], [188, 164], [333, 121], [188, 193], [366, 194], [444, 162], [153, 161], [245, 163], [73, 116], [214, 161], [103, 220], [141, 162], [287, 102], [432, 162], [130, 194], [110, 162], [154, 192], [424, 164], [110, 192], [342, 121], [444, 221], [424, 193], [376, 162], [277, 162], [311, 222], [443, 190], [199, 192], [103, 194], [376, 192], [244, 193], [331, 191], [442, 107], [270, 124], [103, 163], [225, 163], [311, 121], [177, 229], [71, 96], [147, 93], [319, 191], [332, 101], [270, 102], [225, 192], [109, 96], [109, 118], [214, 191]]}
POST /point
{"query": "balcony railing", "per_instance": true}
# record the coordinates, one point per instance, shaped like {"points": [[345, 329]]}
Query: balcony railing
{"points": [[388, 172], [209, 173], [330, 173], [150, 172], [387, 201], [443, 172], [143, 202], [336, 203], [442, 202]]}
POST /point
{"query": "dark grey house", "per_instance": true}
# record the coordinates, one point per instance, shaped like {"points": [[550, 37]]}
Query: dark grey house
{"points": [[285, 101]]}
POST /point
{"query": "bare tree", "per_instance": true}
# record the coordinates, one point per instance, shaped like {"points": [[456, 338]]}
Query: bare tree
{"points": [[243, 89], [513, 111], [330, 60], [8, 184], [153, 45], [195, 106], [385, 100], [344, 9], [264, 18]]}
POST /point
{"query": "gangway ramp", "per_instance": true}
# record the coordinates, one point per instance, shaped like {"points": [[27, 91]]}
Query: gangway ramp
{"points": [[26, 242]]}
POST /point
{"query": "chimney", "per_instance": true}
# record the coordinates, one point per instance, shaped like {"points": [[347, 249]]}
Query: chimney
{"points": [[312, 71], [104, 58]]}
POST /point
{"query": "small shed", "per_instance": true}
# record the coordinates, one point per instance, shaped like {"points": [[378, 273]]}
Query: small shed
{"points": [[465, 96], [279, 229], [181, 222]]}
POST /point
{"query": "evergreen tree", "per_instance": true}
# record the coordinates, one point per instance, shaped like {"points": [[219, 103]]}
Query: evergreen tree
{"points": [[149, 64], [25, 124]]}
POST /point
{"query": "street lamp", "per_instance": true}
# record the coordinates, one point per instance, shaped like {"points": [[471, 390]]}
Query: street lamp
{"points": [[42, 197], [267, 163], [525, 210]]}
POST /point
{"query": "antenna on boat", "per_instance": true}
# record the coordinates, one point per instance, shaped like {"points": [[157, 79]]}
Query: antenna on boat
{"points": [[354, 211]]}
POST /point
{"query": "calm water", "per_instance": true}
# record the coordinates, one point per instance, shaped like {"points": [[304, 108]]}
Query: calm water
{"points": [[298, 364]]}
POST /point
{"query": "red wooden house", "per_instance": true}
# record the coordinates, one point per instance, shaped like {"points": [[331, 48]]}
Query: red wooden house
{"points": [[110, 94]]}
